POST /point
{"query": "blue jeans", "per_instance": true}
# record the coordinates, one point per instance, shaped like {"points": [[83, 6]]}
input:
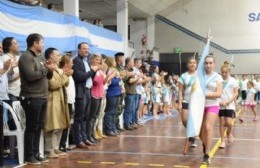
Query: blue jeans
{"points": [[257, 96], [82, 108], [110, 113], [129, 109], [137, 104]]}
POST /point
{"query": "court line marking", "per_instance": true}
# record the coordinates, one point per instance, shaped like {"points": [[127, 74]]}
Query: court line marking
{"points": [[156, 165], [133, 153], [216, 126], [171, 137], [131, 164], [108, 163], [180, 166], [134, 164], [216, 147], [85, 162], [165, 154]]}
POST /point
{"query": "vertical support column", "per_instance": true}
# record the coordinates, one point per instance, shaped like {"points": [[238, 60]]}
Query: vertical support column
{"points": [[122, 28], [122, 23], [71, 7], [150, 32]]}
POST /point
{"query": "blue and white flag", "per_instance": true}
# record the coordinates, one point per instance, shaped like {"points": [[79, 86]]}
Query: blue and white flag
{"points": [[197, 99], [63, 32]]}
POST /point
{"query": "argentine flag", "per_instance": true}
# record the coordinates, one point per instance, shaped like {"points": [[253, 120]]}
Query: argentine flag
{"points": [[197, 99], [61, 31]]}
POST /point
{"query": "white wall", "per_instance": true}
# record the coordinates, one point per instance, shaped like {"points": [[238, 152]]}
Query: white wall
{"points": [[227, 19], [137, 29], [167, 38]]}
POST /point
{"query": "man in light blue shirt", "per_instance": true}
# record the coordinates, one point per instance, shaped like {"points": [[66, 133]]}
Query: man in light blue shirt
{"points": [[136, 68], [89, 82]]}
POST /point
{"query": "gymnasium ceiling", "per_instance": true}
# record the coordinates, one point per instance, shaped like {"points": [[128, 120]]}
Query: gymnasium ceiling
{"points": [[106, 9]]}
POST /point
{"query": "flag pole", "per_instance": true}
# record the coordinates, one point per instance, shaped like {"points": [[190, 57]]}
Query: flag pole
{"points": [[186, 145]]}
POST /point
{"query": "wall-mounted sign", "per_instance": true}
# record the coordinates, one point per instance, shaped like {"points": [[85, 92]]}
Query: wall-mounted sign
{"points": [[254, 17], [177, 50]]}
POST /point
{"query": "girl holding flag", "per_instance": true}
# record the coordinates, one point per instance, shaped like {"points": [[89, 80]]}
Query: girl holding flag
{"points": [[185, 83], [227, 104], [211, 110]]}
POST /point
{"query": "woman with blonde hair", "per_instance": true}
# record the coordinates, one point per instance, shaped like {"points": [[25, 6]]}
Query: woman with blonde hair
{"points": [[113, 95], [211, 111], [100, 120], [227, 104], [97, 93]]}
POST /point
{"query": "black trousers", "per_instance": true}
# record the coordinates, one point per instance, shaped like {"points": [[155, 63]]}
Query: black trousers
{"points": [[93, 115], [82, 108], [35, 112], [65, 132], [120, 110]]}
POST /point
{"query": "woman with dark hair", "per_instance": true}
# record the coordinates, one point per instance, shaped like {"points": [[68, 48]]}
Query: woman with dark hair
{"points": [[243, 88], [185, 83], [57, 116], [11, 50], [66, 62]]}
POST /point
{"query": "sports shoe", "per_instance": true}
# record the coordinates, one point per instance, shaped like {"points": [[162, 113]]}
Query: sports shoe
{"points": [[206, 160], [58, 152], [129, 128], [135, 126], [52, 155], [222, 145], [42, 159], [230, 138], [32, 161], [193, 143]]}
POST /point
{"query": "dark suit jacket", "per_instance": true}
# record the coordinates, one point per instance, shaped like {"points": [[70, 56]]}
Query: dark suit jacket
{"points": [[80, 76]]}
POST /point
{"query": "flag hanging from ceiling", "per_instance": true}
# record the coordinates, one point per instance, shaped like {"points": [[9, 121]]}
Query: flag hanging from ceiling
{"points": [[61, 31]]}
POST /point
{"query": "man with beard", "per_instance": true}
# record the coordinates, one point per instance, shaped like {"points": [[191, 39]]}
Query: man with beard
{"points": [[34, 73]]}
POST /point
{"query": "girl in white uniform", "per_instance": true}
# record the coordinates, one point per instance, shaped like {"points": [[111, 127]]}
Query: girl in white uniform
{"points": [[227, 104], [250, 101], [185, 83], [243, 88], [156, 92], [211, 111], [257, 89]]}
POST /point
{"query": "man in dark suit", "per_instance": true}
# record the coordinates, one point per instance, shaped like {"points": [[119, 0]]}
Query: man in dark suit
{"points": [[82, 76]]}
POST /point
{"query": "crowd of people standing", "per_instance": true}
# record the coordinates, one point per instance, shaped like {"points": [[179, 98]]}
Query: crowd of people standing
{"points": [[93, 96]]}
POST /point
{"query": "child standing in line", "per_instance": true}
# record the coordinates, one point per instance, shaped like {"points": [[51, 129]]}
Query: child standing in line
{"points": [[250, 101], [166, 98]]}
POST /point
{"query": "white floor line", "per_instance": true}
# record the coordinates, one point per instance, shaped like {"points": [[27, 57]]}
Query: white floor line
{"points": [[237, 125], [165, 154], [172, 137]]}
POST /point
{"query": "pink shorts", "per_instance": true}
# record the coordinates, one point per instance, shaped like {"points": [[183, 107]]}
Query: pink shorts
{"points": [[212, 109], [249, 105]]}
